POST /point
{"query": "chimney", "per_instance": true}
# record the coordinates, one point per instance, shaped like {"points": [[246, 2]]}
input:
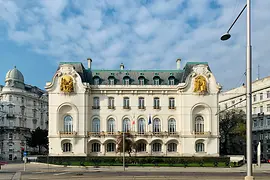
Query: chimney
{"points": [[89, 60], [178, 61], [122, 66]]}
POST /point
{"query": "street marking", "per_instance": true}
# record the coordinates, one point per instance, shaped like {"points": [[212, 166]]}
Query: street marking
{"points": [[61, 173]]}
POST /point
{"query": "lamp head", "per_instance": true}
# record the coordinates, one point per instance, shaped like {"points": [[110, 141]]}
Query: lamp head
{"points": [[225, 37]]}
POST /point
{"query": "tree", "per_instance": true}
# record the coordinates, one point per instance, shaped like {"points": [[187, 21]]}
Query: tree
{"points": [[232, 127], [129, 142], [38, 138]]}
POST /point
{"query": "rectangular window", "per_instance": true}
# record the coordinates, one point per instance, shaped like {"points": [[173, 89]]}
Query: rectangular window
{"points": [[261, 121], [156, 81], [34, 113], [96, 103], [255, 123], [22, 100], [254, 110], [171, 103], [261, 96], [96, 81], [261, 109], [268, 107], [126, 81], [141, 103], [171, 81], [141, 81], [268, 94], [268, 123], [156, 103], [10, 98], [126, 103], [111, 103], [254, 98]]}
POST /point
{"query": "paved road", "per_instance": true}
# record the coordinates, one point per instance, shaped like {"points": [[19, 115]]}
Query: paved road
{"points": [[42, 172]]}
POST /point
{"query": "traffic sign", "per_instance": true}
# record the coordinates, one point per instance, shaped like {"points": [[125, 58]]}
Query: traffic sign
{"points": [[25, 153]]}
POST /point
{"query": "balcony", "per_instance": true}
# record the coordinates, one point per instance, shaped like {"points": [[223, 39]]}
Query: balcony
{"points": [[141, 107], [157, 107], [173, 134], [172, 107], [10, 115], [94, 134], [95, 107], [67, 134], [111, 107], [126, 107], [202, 134]]}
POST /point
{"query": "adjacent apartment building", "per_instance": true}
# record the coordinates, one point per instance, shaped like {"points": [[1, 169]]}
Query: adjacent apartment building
{"points": [[169, 112], [23, 108], [236, 98]]}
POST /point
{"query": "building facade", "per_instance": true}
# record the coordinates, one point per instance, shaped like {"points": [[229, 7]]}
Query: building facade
{"points": [[236, 98], [23, 108], [169, 112]]}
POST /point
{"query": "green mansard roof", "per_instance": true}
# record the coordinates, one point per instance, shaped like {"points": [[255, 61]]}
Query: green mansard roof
{"points": [[88, 75]]}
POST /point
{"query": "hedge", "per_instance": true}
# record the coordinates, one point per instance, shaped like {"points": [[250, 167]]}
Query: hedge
{"points": [[140, 161]]}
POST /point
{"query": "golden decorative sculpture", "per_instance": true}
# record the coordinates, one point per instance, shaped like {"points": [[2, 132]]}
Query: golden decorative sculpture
{"points": [[200, 84], [66, 84]]}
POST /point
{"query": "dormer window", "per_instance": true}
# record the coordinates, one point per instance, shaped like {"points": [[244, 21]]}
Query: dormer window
{"points": [[96, 81], [156, 81], [126, 80], [111, 80], [171, 80], [141, 80]]}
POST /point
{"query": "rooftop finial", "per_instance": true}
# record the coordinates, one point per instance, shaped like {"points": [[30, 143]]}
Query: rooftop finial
{"points": [[15, 67]]}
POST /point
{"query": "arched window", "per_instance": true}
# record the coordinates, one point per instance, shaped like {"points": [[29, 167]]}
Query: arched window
{"points": [[156, 147], [172, 147], [141, 147], [141, 126], [199, 147], [111, 125], [156, 125], [199, 125], [68, 124], [67, 147], [171, 126], [126, 125], [96, 125], [95, 147], [110, 147]]}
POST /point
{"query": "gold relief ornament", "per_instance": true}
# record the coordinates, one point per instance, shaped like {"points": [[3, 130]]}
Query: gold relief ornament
{"points": [[200, 84], [66, 84]]}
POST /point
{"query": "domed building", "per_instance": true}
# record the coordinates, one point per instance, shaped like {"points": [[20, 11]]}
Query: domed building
{"points": [[23, 108]]}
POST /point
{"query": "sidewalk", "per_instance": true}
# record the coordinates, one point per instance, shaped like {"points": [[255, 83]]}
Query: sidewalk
{"points": [[263, 168]]}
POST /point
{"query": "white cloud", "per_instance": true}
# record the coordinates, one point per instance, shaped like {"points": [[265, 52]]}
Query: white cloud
{"points": [[142, 36]]}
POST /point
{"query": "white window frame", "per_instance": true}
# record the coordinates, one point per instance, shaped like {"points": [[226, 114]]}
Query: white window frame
{"points": [[200, 147], [68, 123], [95, 147], [141, 102]]}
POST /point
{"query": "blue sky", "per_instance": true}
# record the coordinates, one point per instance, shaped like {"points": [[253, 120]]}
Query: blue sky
{"points": [[144, 34]]}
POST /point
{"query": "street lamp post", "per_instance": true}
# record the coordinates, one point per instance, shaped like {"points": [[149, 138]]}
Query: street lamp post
{"points": [[226, 36]]}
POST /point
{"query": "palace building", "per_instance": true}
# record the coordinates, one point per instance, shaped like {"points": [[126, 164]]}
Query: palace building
{"points": [[169, 112]]}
